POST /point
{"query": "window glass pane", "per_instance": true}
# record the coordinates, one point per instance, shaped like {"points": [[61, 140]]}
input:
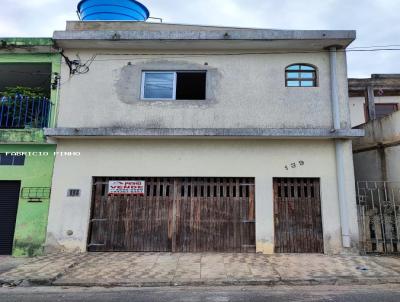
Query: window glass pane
{"points": [[19, 160], [307, 83], [306, 75], [292, 75], [293, 83], [6, 160], [304, 67], [294, 67], [159, 85], [382, 110], [191, 85]]}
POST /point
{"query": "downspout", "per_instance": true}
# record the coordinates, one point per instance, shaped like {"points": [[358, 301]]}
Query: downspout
{"points": [[339, 146]]}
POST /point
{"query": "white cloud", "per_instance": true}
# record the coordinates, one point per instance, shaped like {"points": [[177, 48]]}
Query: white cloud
{"points": [[9, 28]]}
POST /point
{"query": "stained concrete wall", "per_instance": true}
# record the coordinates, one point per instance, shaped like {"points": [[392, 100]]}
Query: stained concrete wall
{"points": [[244, 91], [368, 166], [357, 111], [377, 155], [380, 164], [262, 159], [393, 163], [385, 130]]}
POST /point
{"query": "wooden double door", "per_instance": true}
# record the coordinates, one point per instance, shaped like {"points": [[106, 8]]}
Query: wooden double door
{"points": [[175, 215], [297, 215]]}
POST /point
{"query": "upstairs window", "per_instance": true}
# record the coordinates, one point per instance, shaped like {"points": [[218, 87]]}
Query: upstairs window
{"points": [[301, 75], [382, 110], [174, 85], [11, 160]]}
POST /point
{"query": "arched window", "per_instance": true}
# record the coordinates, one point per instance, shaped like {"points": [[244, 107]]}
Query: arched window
{"points": [[301, 75]]}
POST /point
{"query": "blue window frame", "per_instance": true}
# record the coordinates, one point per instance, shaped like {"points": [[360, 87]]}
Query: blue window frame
{"points": [[301, 75]]}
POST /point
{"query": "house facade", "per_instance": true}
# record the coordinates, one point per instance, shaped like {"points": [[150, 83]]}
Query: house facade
{"points": [[29, 68], [188, 138]]}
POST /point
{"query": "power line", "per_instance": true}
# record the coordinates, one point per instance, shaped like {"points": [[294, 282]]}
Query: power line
{"points": [[137, 56], [375, 46]]}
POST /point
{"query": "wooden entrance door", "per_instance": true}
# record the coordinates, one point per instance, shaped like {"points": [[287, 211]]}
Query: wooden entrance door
{"points": [[9, 196], [175, 215], [297, 215]]}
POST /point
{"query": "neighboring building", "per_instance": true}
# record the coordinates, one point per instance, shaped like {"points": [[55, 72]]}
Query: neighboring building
{"points": [[29, 69], [237, 140], [374, 97], [377, 160], [376, 156]]}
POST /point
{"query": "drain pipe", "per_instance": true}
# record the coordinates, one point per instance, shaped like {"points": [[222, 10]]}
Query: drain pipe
{"points": [[339, 146]]}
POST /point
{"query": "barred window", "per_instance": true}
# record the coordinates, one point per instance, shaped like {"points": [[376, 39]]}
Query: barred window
{"points": [[301, 75]]}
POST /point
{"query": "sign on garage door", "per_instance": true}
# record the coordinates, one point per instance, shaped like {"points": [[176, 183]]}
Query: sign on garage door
{"points": [[175, 215]]}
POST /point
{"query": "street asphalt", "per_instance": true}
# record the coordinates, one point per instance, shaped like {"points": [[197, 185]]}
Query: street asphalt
{"points": [[382, 293]]}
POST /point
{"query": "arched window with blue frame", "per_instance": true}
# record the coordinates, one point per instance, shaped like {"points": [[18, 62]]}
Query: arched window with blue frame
{"points": [[301, 75]]}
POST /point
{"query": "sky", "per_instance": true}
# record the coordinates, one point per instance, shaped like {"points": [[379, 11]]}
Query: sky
{"points": [[377, 21]]}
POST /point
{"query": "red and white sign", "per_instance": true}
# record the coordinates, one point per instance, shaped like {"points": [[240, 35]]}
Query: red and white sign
{"points": [[126, 187]]}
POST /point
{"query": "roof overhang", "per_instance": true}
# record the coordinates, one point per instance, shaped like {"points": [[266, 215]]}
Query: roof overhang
{"points": [[147, 35], [26, 45], [252, 133], [389, 84]]}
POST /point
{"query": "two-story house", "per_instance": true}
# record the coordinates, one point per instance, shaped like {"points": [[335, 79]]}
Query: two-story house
{"points": [[29, 70], [190, 138]]}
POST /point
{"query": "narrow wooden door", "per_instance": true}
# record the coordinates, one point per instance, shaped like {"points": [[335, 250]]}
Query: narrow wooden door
{"points": [[297, 215], [175, 215]]}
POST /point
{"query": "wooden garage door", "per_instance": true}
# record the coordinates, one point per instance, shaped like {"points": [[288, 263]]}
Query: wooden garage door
{"points": [[175, 215], [9, 196], [297, 211]]}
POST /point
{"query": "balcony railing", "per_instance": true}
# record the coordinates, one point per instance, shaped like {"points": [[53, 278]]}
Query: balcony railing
{"points": [[21, 112]]}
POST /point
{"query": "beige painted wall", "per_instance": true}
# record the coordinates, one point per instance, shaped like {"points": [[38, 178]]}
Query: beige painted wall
{"points": [[247, 91], [262, 159]]}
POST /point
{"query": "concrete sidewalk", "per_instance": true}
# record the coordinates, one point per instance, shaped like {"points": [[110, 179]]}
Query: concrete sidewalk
{"points": [[166, 269], [7, 262]]}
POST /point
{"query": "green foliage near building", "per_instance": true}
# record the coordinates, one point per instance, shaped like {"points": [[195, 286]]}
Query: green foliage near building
{"points": [[30, 92]]}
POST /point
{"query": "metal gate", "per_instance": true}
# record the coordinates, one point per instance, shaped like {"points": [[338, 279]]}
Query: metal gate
{"points": [[378, 204], [9, 196], [297, 213], [175, 215]]}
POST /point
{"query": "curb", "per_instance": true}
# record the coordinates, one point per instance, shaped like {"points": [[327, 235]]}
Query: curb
{"points": [[341, 281]]}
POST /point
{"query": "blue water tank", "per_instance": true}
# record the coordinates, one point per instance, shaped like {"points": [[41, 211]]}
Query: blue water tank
{"points": [[112, 10]]}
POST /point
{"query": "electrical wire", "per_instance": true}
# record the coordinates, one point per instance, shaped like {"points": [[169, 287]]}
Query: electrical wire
{"points": [[137, 56], [78, 68], [375, 46]]}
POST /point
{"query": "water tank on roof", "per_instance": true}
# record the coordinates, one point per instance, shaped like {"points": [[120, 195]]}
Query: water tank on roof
{"points": [[112, 10]]}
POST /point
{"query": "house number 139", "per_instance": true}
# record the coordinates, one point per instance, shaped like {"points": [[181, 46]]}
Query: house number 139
{"points": [[294, 165]]}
